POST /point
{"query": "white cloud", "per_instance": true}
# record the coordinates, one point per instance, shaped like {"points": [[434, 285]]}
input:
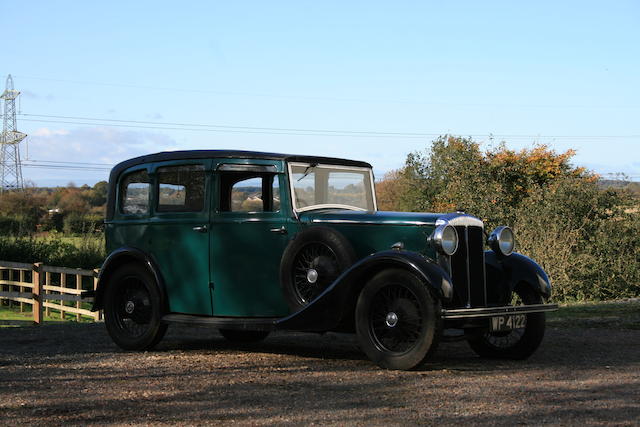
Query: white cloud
{"points": [[103, 145], [46, 132]]}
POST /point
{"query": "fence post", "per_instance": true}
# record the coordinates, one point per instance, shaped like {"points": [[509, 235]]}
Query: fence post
{"points": [[38, 296], [98, 314], [21, 274]]}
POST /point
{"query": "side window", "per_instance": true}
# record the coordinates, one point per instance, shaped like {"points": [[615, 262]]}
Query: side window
{"points": [[134, 193], [246, 196], [249, 192], [181, 188]]}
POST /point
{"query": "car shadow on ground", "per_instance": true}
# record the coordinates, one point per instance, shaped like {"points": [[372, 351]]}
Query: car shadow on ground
{"points": [[561, 347]]}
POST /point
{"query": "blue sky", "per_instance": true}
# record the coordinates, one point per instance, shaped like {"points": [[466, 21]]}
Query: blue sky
{"points": [[562, 73]]}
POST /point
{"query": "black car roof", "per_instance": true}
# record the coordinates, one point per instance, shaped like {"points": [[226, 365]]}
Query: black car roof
{"points": [[224, 154], [233, 154]]}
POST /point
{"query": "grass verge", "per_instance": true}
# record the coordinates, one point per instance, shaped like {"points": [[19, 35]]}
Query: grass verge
{"points": [[12, 316], [623, 314]]}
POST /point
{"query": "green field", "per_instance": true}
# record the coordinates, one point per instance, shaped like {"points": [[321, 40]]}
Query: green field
{"points": [[11, 317]]}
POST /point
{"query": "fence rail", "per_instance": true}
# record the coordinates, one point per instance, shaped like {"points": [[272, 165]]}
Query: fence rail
{"points": [[48, 289]]}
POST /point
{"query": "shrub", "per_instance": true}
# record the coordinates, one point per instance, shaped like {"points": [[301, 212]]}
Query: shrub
{"points": [[88, 252], [75, 223], [586, 238]]}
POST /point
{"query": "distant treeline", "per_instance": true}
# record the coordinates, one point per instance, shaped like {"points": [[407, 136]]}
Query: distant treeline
{"points": [[70, 209]]}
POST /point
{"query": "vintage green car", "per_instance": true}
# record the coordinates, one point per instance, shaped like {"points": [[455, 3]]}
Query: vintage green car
{"points": [[251, 242]]}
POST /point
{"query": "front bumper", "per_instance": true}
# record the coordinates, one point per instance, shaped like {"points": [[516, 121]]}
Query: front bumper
{"points": [[486, 312]]}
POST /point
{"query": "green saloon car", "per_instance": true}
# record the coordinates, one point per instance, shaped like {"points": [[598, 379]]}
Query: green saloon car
{"points": [[251, 242]]}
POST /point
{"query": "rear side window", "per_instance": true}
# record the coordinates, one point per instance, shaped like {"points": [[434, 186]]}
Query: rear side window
{"points": [[134, 191], [181, 188]]}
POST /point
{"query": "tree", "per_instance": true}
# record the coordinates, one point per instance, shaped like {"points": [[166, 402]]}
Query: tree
{"points": [[586, 237]]}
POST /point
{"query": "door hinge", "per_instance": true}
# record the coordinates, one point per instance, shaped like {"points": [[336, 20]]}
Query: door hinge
{"points": [[212, 286]]}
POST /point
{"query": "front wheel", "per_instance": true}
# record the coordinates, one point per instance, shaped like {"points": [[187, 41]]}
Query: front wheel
{"points": [[518, 343], [132, 309], [397, 320]]}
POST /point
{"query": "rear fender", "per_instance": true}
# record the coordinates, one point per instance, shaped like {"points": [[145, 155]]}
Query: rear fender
{"points": [[335, 306], [118, 258]]}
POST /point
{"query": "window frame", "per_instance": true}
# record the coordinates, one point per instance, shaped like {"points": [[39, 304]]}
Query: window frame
{"points": [[259, 168], [156, 186], [120, 193], [292, 194]]}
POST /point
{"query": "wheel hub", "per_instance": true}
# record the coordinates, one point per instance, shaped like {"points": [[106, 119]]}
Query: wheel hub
{"points": [[129, 307], [312, 275], [391, 320]]}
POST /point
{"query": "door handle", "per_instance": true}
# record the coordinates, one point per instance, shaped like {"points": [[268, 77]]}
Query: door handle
{"points": [[280, 230], [201, 229]]}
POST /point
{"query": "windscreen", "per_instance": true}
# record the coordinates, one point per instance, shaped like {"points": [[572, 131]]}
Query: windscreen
{"points": [[326, 186]]}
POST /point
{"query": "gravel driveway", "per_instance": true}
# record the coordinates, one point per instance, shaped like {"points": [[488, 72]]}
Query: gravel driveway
{"points": [[72, 373]]}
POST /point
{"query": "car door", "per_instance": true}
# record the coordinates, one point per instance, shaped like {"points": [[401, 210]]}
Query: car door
{"points": [[250, 228], [180, 241]]}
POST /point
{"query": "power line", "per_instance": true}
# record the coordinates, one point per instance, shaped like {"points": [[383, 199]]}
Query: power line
{"points": [[98, 121], [63, 167], [349, 132], [71, 163], [321, 98], [222, 130]]}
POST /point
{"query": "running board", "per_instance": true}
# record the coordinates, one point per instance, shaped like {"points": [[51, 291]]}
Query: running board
{"points": [[466, 313], [242, 323]]}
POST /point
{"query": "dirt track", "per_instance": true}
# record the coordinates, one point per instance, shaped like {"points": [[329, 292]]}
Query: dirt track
{"points": [[73, 374]]}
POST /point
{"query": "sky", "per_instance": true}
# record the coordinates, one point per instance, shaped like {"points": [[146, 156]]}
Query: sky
{"points": [[105, 81]]}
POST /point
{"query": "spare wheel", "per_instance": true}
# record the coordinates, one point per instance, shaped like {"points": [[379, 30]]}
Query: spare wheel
{"points": [[311, 262]]}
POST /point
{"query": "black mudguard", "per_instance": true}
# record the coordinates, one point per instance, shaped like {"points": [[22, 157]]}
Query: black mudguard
{"points": [[336, 304], [119, 257], [507, 272]]}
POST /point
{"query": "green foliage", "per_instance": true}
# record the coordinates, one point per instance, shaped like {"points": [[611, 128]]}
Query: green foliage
{"points": [[85, 252], [75, 223], [587, 238]]}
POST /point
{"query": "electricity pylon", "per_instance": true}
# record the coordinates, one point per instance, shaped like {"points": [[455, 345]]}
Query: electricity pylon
{"points": [[10, 165]]}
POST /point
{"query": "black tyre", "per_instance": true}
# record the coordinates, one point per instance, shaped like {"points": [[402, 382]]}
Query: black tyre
{"points": [[518, 343], [311, 262], [397, 320], [133, 308], [237, 335]]}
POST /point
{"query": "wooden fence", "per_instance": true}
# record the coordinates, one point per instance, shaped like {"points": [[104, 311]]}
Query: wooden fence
{"points": [[48, 289]]}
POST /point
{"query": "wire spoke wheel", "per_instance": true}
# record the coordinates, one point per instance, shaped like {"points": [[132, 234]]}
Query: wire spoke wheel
{"points": [[314, 268], [396, 321], [517, 343], [510, 338], [132, 309]]}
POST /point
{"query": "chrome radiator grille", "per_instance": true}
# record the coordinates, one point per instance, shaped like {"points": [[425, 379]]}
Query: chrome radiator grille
{"points": [[467, 267]]}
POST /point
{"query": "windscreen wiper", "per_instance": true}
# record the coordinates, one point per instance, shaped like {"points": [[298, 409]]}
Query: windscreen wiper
{"points": [[307, 171]]}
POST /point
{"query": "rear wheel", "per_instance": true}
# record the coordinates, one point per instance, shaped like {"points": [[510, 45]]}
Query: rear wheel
{"points": [[238, 335], [518, 343], [397, 320], [132, 309]]}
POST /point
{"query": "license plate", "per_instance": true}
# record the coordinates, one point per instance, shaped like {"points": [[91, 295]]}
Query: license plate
{"points": [[508, 322]]}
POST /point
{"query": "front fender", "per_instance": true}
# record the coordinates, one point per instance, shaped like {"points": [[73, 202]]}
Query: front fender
{"points": [[336, 304], [117, 258], [517, 268]]}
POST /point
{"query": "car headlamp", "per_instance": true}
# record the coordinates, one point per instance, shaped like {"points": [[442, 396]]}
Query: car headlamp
{"points": [[502, 241], [445, 239]]}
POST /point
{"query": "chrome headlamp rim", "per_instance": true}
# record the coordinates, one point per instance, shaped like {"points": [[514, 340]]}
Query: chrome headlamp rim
{"points": [[437, 239], [497, 240]]}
